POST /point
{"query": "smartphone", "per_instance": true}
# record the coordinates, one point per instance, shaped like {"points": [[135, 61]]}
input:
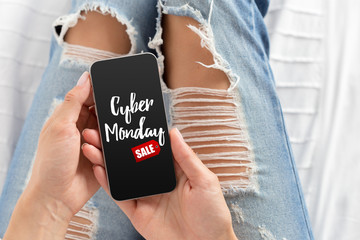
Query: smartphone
{"points": [[133, 126]]}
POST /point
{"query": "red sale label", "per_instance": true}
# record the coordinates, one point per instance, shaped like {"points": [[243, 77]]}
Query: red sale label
{"points": [[146, 150]]}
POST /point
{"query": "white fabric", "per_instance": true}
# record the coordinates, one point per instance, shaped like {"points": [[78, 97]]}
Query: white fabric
{"points": [[25, 32], [315, 58]]}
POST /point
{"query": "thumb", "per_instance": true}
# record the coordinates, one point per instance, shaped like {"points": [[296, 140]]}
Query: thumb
{"points": [[192, 166], [75, 99]]}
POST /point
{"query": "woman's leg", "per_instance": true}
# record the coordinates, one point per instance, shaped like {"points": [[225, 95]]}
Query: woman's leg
{"points": [[221, 95], [102, 32], [91, 31], [222, 144]]}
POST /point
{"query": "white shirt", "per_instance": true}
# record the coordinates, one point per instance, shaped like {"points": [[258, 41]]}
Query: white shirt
{"points": [[315, 59]]}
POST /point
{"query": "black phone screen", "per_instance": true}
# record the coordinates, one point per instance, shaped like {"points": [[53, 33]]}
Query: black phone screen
{"points": [[133, 127]]}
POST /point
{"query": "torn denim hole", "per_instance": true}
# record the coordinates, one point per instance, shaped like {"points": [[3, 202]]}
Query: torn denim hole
{"points": [[237, 213], [204, 32], [156, 43], [266, 234], [87, 55], [83, 224], [211, 121], [84, 55]]}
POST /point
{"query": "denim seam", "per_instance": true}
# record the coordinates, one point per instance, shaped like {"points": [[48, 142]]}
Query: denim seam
{"points": [[296, 178]]}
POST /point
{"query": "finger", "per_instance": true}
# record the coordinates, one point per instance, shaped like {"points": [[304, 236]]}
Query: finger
{"points": [[92, 137], [128, 206], [181, 178], [83, 118], [75, 99], [192, 166], [93, 154], [100, 175], [178, 171]]}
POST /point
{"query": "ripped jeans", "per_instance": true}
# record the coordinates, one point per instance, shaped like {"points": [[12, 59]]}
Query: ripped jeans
{"points": [[241, 127]]}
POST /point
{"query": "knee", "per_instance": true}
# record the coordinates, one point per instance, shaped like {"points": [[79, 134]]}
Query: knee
{"points": [[100, 31], [184, 51]]}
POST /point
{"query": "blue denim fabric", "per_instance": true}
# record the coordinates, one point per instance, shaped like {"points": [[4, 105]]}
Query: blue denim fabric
{"points": [[276, 207]]}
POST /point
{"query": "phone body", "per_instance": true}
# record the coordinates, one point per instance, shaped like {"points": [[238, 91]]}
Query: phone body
{"points": [[133, 126]]}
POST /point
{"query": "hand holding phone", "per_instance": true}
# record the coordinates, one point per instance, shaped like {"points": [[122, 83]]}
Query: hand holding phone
{"points": [[196, 209], [138, 158], [133, 126]]}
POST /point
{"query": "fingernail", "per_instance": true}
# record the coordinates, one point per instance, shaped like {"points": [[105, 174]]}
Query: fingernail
{"points": [[82, 145], [82, 133], [179, 134], [84, 77]]}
